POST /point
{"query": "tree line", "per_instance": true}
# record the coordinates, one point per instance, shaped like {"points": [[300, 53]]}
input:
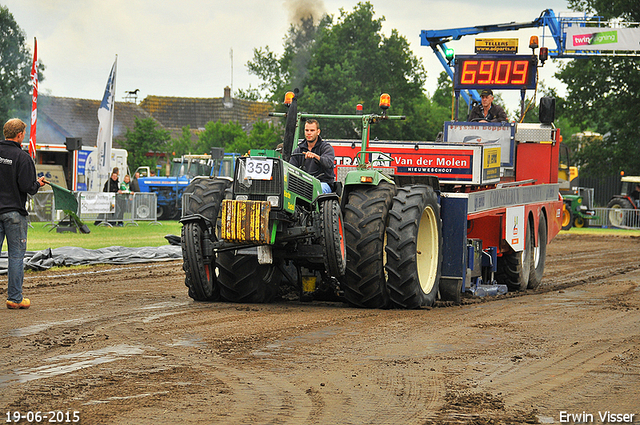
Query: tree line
{"points": [[339, 61]]}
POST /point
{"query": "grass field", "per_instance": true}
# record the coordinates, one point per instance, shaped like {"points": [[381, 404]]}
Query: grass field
{"points": [[41, 237], [600, 231]]}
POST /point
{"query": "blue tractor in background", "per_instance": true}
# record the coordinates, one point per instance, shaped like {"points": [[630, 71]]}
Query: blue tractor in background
{"points": [[170, 189]]}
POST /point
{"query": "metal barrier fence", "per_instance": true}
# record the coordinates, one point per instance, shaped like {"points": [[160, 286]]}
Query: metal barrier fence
{"points": [[41, 207], [616, 218], [127, 208]]}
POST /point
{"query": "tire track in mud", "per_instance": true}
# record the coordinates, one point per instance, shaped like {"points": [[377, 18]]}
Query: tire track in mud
{"points": [[298, 363], [263, 398]]}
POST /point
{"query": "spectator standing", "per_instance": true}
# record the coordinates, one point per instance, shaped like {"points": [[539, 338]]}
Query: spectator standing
{"points": [[135, 186], [18, 177], [112, 185], [125, 186]]}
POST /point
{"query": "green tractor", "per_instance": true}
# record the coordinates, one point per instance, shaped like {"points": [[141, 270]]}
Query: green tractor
{"points": [[270, 227], [239, 234], [577, 209]]}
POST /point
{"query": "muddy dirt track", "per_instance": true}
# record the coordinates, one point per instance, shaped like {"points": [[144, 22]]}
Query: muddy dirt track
{"points": [[126, 345]]}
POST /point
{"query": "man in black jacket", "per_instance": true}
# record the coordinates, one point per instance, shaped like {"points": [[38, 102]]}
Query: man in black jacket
{"points": [[135, 186], [315, 156], [486, 111], [18, 177]]}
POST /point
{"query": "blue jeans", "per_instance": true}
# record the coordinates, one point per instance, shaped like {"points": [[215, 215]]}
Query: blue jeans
{"points": [[14, 226], [325, 187]]}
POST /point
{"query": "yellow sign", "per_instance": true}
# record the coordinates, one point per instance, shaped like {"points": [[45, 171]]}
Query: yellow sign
{"points": [[496, 45], [491, 166]]}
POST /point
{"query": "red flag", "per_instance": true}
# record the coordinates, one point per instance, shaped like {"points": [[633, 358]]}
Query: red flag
{"points": [[34, 101]]}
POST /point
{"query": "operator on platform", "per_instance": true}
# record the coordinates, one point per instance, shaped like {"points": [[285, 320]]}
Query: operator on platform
{"points": [[486, 111], [315, 156]]}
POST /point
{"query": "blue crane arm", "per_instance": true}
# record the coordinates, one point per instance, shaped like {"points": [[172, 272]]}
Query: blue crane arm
{"points": [[436, 39]]}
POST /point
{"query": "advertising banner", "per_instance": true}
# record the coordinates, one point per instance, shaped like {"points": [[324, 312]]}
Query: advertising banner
{"points": [[97, 203], [471, 163], [586, 38]]}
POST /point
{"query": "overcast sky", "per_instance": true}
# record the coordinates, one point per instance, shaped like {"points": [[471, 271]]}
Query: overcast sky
{"points": [[182, 47]]}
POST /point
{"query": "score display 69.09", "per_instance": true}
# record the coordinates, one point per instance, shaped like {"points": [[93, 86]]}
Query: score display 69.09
{"points": [[495, 71]]}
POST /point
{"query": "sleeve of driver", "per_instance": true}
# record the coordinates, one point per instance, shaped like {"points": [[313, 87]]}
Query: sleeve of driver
{"points": [[327, 157]]}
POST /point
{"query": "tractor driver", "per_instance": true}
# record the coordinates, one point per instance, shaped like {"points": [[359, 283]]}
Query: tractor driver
{"points": [[486, 111], [319, 156]]}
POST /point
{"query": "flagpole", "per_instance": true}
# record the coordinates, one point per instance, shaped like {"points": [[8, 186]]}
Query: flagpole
{"points": [[34, 101], [113, 109], [105, 130]]}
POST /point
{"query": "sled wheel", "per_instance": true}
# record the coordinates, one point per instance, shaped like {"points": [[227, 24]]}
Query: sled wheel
{"points": [[514, 267], [539, 254]]}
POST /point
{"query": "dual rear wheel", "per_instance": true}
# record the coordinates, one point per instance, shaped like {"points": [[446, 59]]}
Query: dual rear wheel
{"points": [[394, 246]]}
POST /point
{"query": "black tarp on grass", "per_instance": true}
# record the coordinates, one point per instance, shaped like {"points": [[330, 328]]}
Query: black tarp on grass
{"points": [[75, 256]]}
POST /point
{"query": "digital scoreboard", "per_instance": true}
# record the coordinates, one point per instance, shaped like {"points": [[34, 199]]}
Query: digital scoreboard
{"points": [[501, 72]]}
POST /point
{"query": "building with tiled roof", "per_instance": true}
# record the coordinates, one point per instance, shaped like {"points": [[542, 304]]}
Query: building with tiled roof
{"points": [[177, 112], [62, 117]]}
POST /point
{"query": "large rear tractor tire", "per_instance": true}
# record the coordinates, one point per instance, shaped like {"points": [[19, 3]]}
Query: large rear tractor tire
{"points": [[514, 268], [414, 247], [243, 280], [366, 215], [617, 217], [200, 199], [333, 246], [539, 254], [200, 266], [164, 212], [567, 216]]}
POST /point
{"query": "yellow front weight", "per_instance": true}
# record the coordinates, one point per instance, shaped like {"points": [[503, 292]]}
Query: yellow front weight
{"points": [[245, 221]]}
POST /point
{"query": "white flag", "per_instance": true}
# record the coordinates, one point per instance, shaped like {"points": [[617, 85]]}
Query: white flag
{"points": [[105, 131]]}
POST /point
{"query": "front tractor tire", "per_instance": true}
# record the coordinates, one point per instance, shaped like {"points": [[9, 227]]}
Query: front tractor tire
{"points": [[200, 266], [366, 215], [334, 249], [199, 269], [243, 280], [580, 222], [414, 247]]}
